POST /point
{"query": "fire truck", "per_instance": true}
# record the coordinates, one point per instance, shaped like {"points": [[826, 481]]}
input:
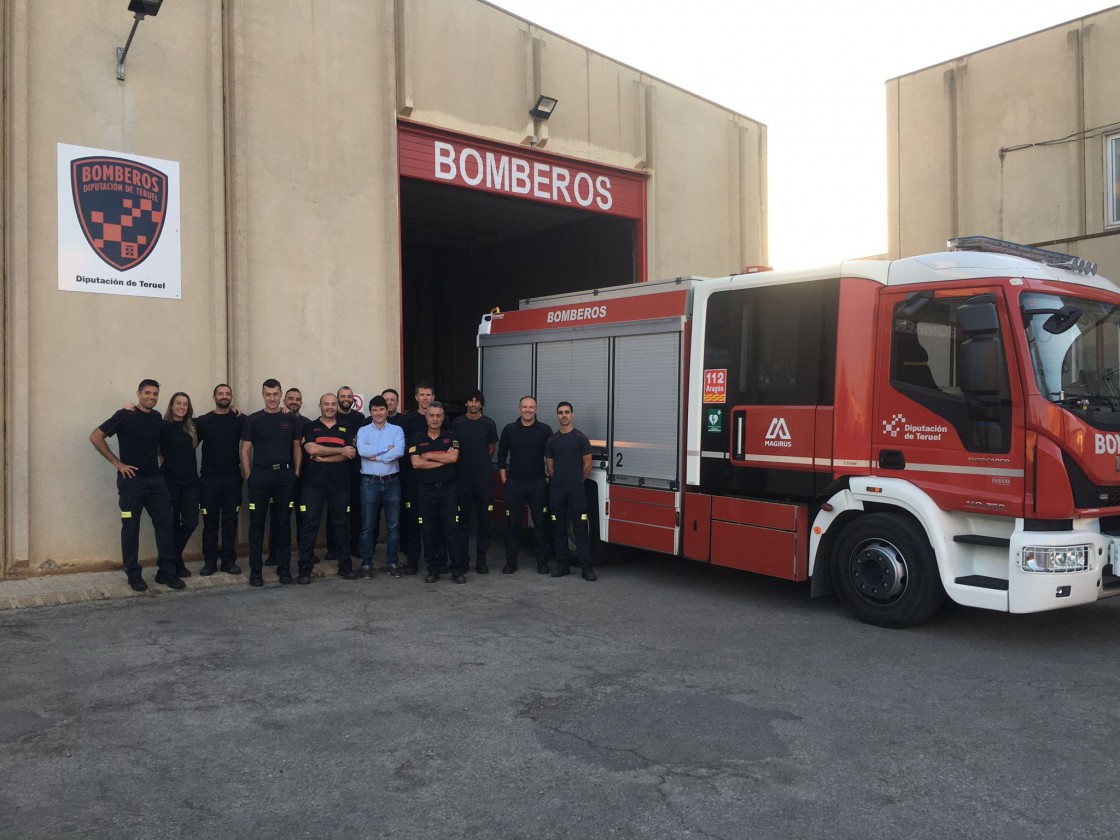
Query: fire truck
{"points": [[896, 432]]}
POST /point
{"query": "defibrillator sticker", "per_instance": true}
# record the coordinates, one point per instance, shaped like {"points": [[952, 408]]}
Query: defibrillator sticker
{"points": [[714, 418], [715, 385]]}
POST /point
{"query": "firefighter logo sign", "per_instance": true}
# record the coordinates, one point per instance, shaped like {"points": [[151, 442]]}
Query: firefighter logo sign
{"points": [[118, 224], [122, 227]]}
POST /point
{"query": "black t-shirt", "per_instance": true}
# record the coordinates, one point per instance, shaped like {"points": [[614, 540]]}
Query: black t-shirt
{"points": [[177, 448], [521, 450], [421, 444], [271, 436], [396, 419], [566, 452], [354, 420], [317, 474], [475, 438], [219, 435], [138, 438]]}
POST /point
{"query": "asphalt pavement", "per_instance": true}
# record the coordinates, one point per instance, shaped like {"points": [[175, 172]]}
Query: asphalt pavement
{"points": [[667, 700]]}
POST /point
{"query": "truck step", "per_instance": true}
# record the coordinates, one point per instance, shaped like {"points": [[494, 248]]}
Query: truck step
{"points": [[980, 539], [982, 581], [1110, 583]]}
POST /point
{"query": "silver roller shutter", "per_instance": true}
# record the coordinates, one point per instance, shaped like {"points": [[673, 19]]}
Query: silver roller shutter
{"points": [[506, 376], [575, 371], [646, 407]]}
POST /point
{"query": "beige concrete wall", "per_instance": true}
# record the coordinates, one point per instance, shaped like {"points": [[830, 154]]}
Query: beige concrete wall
{"points": [[707, 164], [313, 197], [1007, 142], [73, 358], [282, 117]]}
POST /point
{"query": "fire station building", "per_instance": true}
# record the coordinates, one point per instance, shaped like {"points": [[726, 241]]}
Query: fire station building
{"points": [[328, 194], [1020, 141]]}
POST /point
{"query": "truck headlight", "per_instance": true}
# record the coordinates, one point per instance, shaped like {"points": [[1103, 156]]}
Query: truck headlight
{"points": [[1055, 558]]}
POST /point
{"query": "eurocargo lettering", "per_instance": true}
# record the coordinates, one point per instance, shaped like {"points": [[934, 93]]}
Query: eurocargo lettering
{"points": [[897, 433]]}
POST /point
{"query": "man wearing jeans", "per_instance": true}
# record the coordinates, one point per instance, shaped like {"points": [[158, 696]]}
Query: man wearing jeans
{"points": [[380, 447]]}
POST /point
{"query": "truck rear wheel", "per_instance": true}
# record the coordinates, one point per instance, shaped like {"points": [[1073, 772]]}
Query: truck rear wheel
{"points": [[885, 572]]}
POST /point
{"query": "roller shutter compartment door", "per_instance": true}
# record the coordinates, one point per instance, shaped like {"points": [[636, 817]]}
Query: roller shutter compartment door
{"points": [[575, 371], [647, 410], [507, 376]]}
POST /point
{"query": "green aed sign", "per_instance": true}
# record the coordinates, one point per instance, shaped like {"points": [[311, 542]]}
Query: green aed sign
{"points": [[715, 419]]}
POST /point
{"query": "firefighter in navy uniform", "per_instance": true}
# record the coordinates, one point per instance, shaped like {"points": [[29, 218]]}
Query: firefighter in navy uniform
{"points": [[139, 483], [352, 419], [433, 455], [329, 449], [293, 401], [414, 423], [522, 471], [567, 456], [271, 457], [474, 475], [219, 435]]}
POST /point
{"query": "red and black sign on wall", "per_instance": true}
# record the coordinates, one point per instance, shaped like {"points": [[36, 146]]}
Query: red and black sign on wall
{"points": [[121, 205]]}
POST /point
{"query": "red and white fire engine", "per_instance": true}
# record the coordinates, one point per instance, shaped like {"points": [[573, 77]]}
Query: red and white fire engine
{"points": [[893, 431]]}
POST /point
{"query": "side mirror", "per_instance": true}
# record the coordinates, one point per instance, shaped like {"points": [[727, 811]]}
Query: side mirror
{"points": [[980, 365], [980, 318], [1060, 320], [1063, 319]]}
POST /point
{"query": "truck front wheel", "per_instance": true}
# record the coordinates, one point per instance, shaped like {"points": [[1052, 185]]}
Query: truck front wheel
{"points": [[885, 572]]}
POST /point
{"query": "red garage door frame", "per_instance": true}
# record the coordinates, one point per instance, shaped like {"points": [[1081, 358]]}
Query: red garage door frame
{"points": [[464, 160], [475, 163]]}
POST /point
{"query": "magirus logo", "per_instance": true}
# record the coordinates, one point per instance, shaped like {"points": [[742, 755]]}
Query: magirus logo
{"points": [[778, 433]]}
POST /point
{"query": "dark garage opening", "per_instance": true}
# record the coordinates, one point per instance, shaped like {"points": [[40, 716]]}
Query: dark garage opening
{"points": [[464, 252]]}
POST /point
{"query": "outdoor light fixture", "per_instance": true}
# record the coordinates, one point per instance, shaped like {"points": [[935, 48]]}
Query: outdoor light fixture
{"points": [[142, 8], [544, 108]]}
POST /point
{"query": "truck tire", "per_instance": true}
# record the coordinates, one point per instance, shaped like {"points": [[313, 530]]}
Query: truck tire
{"points": [[885, 572]]}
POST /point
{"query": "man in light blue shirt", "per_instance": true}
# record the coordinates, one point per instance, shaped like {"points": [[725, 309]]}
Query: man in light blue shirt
{"points": [[380, 446]]}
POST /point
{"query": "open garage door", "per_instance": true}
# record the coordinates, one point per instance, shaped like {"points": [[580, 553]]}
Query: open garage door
{"points": [[477, 241]]}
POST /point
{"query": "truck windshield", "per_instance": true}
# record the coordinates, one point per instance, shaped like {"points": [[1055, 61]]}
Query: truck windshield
{"points": [[1077, 368]]}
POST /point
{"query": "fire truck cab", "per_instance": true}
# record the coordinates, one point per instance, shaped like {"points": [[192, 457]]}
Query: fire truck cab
{"points": [[894, 431]]}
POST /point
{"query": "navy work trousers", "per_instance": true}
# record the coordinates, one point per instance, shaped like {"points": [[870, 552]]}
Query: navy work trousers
{"points": [[568, 504], [221, 502], [136, 495], [439, 514], [312, 501], [520, 494], [271, 496]]}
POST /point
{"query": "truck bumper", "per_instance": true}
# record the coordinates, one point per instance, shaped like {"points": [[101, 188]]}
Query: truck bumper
{"points": [[1074, 578]]}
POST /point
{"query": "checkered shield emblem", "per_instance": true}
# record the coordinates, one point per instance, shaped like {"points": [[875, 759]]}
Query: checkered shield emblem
{"points": [[120, 205]]}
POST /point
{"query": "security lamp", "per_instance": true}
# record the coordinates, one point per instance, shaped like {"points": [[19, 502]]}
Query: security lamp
{"points": [[143, 9], [544, 108]]}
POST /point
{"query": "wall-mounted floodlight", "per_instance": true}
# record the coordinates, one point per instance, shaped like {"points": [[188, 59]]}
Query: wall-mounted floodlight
{"points": [[544, 108], [142, 8]]}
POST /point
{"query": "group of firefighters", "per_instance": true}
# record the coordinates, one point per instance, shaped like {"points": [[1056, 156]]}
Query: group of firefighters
{"points": [[427, 476]]}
